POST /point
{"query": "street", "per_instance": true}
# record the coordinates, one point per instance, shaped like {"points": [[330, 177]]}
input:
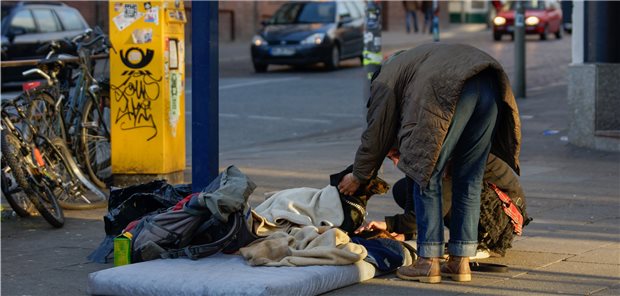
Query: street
{"points": [[292, 127], [289, 103]]}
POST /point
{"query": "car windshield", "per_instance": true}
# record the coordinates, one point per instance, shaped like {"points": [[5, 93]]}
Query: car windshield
{"points": [[305, 13], [531, 5]]}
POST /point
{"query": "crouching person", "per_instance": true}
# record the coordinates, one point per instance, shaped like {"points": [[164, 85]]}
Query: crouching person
{"points": [[497, 226]]}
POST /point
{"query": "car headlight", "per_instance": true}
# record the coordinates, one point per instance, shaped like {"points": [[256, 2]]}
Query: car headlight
{"points": [[258, 40], [532, 21], [316, 38], [499, 21]]}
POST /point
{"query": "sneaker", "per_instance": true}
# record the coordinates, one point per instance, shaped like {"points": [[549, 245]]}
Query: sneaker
{"points": [[457, 268], [481, 254], [425, 270]]}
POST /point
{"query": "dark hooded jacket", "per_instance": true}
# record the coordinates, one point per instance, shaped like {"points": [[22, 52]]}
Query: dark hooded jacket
{"points": [[412, 102]]}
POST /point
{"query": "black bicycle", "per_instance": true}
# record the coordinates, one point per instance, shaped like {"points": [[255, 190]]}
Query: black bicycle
{"points": [[29, 159], [72, 188], [76, 105]]}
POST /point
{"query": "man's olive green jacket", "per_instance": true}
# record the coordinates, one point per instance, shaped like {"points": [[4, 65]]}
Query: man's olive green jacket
{"points": [[412, 102]]}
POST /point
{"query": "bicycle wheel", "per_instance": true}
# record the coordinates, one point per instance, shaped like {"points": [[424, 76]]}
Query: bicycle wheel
{"points": [[46, 119], [14, 195], [48, 206], [72, 188], [95, 138], [38, 193]]}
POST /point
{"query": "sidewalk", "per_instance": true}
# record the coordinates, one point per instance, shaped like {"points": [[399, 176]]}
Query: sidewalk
{"points": [[572, 246]]}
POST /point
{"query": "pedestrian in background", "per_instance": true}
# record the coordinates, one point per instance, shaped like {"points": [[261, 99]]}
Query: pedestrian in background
{"points": [[437, 103], [410, 15], [426, 7]]}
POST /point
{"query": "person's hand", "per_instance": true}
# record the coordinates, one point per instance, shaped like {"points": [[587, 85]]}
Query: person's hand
{"points": [[371, 226], [349, 184], [394, 156], [398, 236]]}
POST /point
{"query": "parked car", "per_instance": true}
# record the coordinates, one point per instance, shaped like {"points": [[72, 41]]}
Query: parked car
{"points": [[541, 17], [26, 26], [302, 33]]}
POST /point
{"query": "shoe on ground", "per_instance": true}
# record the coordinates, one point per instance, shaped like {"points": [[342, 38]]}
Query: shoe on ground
{"points": [[457, 268], [425, 270], [481, 254]]}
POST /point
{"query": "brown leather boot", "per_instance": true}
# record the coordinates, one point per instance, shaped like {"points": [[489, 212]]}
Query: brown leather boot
{"points": [[457, 268], [425, 270]]}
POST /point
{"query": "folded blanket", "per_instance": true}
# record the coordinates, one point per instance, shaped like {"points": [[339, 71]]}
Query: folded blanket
{"points": [[299, 207], [304, 246]]}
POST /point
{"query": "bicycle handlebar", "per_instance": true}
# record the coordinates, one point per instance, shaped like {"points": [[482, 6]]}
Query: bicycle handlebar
{"points": [[95, 40], [83, 35], [40, 72]]}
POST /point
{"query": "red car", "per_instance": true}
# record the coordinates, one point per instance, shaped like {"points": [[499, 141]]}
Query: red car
{"points": [[541, 17]]}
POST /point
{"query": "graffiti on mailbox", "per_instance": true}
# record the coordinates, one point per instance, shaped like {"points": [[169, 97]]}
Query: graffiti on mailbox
{"points": [[135, 96]]}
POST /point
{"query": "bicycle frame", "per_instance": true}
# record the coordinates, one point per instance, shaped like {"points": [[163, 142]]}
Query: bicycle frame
{"points": [[35, 165]]}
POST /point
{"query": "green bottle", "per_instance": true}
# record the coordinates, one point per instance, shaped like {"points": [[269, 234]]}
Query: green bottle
{"points": [[122, 249]]}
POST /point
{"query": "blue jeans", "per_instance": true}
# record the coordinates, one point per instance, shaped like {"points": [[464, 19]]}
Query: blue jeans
{"points": [[428, 20], [467, 146], [411, 14]]}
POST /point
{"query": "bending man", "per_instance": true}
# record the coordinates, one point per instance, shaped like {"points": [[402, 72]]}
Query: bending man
{"points": [[434, 103]]}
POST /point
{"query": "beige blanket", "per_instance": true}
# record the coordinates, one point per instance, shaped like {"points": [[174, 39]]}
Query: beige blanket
{"points": [[299, 207], [304, 246]]}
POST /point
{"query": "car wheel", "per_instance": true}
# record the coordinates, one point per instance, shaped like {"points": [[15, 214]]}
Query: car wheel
{"points": [[558, 34], [260, 68], [497, 36], [334, 59], [543, 35]]}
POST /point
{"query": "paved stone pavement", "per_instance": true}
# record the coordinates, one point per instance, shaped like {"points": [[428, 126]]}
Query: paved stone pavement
{"points": [[572, 246]]}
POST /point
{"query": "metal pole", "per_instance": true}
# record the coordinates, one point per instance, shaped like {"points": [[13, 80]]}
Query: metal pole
{"points": [[372, 42], [519, 82], [205, 91]]}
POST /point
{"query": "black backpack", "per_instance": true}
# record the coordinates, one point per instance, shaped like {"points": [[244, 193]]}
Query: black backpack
{"points": [[185, 233], [217, 219]]}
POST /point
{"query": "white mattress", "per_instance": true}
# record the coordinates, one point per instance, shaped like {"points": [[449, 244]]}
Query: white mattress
{"points": [[223, 275]]}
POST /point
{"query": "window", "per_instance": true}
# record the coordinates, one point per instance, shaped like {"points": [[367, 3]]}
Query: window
{"points": [[304, 13], [70, 19], [361, 6], [23, 20], [46, 20], [355, 13], [343, 11], [530, 4]]}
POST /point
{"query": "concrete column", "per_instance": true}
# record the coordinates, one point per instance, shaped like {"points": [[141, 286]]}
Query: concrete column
{"points": [[593, 88]]}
